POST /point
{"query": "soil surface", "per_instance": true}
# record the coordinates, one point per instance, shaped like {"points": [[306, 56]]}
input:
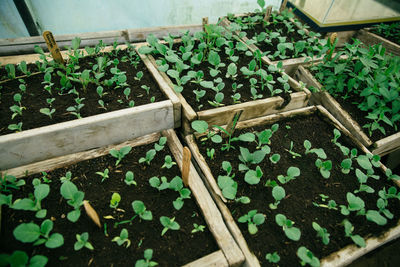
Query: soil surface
{"points": [[301, 193], [175, 248], [393, 38], [36, 96]]}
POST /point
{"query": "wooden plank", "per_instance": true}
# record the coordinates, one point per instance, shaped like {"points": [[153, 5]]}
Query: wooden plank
{"points": [[210, 211], [73, 136], [164, 86], [268, 12], [370, 38], [350, 253], [253, 109], [215, 259], [387, 145], [62, 161]]}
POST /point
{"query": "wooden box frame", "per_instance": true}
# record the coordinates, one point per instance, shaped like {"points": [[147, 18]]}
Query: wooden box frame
{"points": [[381, 147], [50, 141], [251, 109], [229, 253], [342, 257]]}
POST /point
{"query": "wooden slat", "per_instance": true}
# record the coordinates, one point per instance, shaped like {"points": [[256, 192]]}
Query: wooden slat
{"points": [[73, 136], [253, 109], [62, 161], [387, 145], [210, 211], [215, 259], [370, 38]]}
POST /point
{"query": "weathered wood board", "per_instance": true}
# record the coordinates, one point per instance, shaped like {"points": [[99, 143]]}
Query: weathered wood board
{"points": [[229, 253], [340, 258], [381, 147]]}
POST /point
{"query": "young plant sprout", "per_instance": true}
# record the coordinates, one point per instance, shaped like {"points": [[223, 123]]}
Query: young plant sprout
{"points": [[146, 262], [122, 238], [82, 240], [324, 167], [15, 127], [291, 232], [140, 210], [307, 257], [20, 258], [210, 153], [168, 162], [114, 201], [129, 178], [290, 150], [278, 193], [8, 182], [273, 257], [253, 177], [321, 232], [120, 154], [150, 154], [348, 229], [253, 219], [354, 204], [292, 173], [139, 75], [161, 143], [318, 151], [104, 175], [146, 88], [169, 224], [127, 92], [38, 235], [74, 198], [198, 228], [41, 191]]}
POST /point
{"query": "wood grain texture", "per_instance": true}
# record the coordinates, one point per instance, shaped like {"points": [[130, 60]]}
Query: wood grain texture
{"points": [[210, 211], [370, 38], [46, 142], [187, 156], [215, 259], [387, 145]]}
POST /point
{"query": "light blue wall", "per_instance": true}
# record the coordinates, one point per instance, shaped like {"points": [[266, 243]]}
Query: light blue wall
{"points": [[78, 16], [11, 24]]}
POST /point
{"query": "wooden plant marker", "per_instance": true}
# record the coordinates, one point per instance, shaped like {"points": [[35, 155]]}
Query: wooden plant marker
{"points": [[187, 155], [53, 47], [205, 22], [230, 127], [283, 6], [91, 212], [268, 13]]}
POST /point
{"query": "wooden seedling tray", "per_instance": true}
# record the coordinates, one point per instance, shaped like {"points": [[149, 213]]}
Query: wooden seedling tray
{"points": [[251, 109], [342, 257], [229, 253], [381, 147], [46, 142]]}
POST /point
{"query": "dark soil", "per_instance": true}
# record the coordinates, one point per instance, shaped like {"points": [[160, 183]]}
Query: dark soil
{"points": [[35, 97], [301, 192], [175, 248], [244, 91], [394, 37]]}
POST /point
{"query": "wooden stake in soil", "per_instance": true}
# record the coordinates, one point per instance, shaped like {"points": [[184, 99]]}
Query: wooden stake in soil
{"points": [[186, 165], [283, 6], [91, 212], [53, 47], [268, 13], [332, 39], [205, 22], [230, 127]]}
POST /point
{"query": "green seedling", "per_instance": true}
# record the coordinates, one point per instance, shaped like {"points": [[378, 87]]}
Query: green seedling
{"points": [[215, 60], [199, 94], [140, 210], [74, 198], [47, 82], [10, 68], [161, 143], [318, 151], [32, 233], [236, 98], [127, 93], [331, 203], [139, 75], [253, 219], [291, 232], [15, 127], [349, 229], [253, 177], [292, 173], [290, 150], [114, 201], [159, 184], [104, 175], [20, 258], [146, 262], [231, 71], [321, 232], [41, 191], [273, 257], [149, 156], [210, 153], [362, 179], [354, 204], [100, 91], [169, 224], [120, 154], [376, 217], [198, 228], [17, 110], [75, 110], [67, 177], [391, 176], [146, 88], [278, 193], [168, 162], [82, 240], [307, 257], [226, 183], [122, 238], [218, 98], [275, 158], [176, 184], [250, 158], [324, 167], [130, 178], [8, 182]]}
